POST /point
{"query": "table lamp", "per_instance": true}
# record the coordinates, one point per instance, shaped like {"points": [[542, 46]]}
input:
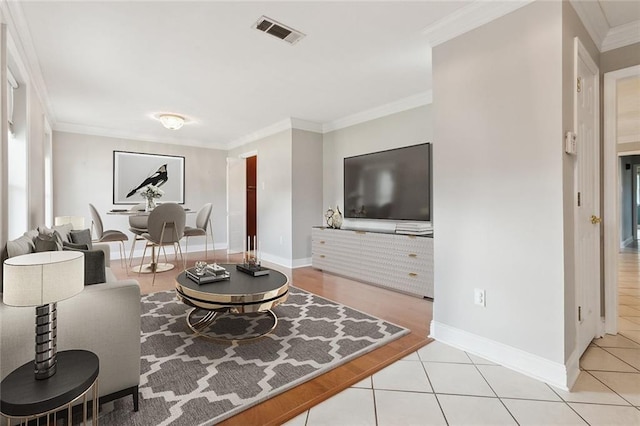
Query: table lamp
{"points": [[42, 280]]}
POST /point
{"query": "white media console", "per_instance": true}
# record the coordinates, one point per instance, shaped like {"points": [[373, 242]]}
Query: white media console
{"points": [[395, 261]]}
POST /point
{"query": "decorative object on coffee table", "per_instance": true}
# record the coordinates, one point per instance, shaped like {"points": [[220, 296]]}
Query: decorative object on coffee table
{"points": [[251, 260], [42, 280]]}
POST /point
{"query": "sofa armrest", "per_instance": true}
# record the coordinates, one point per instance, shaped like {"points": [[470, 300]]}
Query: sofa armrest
{"points": [[107, 252]]}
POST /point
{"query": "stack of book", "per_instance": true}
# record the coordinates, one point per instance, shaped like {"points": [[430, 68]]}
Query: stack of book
{"points": [[414, 228], [252, 269], [212, 273]]}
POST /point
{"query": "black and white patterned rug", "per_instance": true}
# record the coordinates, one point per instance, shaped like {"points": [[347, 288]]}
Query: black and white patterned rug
{"points": [[189, 380]]}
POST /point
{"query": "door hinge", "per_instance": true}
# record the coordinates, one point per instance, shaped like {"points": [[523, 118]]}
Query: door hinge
{"points": [[579, 85], [579, 313], [578, 199]]}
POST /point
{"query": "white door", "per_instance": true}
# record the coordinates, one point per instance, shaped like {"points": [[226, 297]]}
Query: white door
{"points": [[236, 177], [587, 201]]}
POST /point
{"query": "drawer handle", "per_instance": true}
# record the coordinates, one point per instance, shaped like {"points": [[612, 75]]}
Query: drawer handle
{"points": [[360, 232], [413, 237], [413, 255], [321, 242], [413, 274], [322, 256]]}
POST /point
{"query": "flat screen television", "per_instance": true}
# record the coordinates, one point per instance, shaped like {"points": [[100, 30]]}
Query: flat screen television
{"points": [[393, 184]]}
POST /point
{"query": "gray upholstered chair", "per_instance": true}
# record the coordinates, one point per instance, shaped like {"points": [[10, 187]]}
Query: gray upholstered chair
{"points": [[137, 226], [164, 227], [109, 235], [203, 224]]}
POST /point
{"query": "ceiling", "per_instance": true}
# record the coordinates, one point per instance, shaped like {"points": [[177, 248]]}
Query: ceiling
{"points": [[108, 67]]}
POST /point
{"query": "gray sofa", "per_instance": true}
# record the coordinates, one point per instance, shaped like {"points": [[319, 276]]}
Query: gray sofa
{"points": [[104, 319]]}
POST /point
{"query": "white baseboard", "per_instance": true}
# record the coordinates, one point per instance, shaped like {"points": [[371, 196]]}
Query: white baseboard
{"points": [[277, 260], [287, 263], [301, 263], [627, 242], [531, 365]]}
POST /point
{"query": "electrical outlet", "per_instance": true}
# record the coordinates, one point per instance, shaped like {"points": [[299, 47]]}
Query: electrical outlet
{"points": [[479, 297]]}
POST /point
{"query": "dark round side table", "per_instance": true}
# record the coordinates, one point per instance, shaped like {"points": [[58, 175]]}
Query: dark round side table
{"points": [[24, 397]]}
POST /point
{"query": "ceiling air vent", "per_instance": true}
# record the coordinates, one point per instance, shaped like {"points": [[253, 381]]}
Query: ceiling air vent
{"points": [[276, 29]]}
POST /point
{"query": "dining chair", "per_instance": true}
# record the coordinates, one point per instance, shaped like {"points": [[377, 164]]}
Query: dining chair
{"points": [[203, 224], [137, 226], [164, 227], [109, 235]]}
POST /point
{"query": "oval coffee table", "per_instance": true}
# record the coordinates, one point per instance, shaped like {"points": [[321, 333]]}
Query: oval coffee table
{"points": [[240, 294]]}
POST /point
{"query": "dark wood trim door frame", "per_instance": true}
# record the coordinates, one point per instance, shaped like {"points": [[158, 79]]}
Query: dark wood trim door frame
{"points": [[252, 199]]}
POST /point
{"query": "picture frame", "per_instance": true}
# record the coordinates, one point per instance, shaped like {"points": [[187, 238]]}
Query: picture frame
{"points": [[132, 171]]}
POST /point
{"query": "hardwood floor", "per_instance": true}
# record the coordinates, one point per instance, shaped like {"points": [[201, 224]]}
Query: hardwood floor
{"points": [[407, 311]]}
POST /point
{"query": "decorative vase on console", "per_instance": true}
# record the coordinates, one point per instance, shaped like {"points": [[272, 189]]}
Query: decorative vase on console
{"points": [[150, 193], [334, 218]]}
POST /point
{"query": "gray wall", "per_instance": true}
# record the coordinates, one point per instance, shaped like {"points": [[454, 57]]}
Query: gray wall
{"points": [[499, 214], [405, 128], [83, 174], [274, 195], [306, 192], [571, 27]]}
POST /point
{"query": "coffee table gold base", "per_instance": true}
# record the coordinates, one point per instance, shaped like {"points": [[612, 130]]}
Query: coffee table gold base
{"points": [[200, 325], [148, 268]]}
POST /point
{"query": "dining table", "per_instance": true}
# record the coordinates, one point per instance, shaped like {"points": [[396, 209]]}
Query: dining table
{"points": [[151, 267]]}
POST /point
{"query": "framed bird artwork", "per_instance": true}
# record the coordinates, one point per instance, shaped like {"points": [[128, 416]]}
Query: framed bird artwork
{"points": [[135, 172]]}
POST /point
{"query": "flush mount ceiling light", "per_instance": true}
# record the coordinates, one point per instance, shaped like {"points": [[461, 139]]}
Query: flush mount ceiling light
{"points": [[171, 121]]}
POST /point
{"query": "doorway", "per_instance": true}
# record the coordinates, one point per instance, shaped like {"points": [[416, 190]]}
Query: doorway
{"points": [[251, 201], [612, 183]]}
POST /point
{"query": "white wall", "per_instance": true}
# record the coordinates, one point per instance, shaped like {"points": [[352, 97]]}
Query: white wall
{"points": [[498, 190], [405, 128], [306, 192], [83, 174], [274, 195]]}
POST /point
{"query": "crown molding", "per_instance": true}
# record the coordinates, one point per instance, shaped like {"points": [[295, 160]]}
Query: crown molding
{"points": [[20, 41], [593, 19], [468, 18], [622, 35], [123, 134], [309, 126], [404, 104], [278, 127], [286, 124]]}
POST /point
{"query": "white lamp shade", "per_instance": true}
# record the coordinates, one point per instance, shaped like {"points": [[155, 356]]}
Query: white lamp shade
{"points": [[77, 222], [38, 279]]}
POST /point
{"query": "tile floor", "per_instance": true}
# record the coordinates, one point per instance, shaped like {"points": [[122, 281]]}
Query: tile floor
{"points": [[441, 385]]}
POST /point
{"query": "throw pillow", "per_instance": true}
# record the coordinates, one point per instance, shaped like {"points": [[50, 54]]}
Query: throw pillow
{"points": [[46, 236], [64, 231], [82, 236], [94, 266], [46, 243], [20, 246]]}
